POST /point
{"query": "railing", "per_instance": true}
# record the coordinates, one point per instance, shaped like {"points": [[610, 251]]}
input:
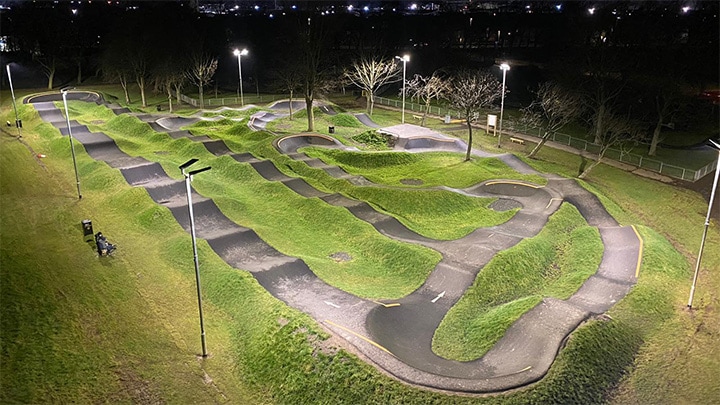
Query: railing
{"points": [[620, 155], [417, 107], [249, 99], [639, 161]]}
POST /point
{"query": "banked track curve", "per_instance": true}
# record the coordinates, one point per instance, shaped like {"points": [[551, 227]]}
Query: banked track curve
{"points": [[395, 337]]}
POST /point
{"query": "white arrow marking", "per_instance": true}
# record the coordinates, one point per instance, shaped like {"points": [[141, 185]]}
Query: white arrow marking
{"points": [[331, 304], [442, 294]]}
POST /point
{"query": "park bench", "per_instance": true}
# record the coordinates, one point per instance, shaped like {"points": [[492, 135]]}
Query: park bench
{"points": [[517, 140]]}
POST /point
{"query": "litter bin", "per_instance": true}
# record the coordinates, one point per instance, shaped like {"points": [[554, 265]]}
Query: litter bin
{"points": [[331, 130], [87, 229], [447, 119]]}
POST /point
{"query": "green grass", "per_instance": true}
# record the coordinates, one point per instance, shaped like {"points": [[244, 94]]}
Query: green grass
{"points": [[76, 330], [433, 169], [554, 263], [297, 226]]}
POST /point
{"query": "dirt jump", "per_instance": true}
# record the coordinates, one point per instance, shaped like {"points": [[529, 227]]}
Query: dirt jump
{"points": [[397, 336]]}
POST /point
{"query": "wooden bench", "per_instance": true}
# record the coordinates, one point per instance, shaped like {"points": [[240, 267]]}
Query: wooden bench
{"points": [[417, 117], [517, 140]]}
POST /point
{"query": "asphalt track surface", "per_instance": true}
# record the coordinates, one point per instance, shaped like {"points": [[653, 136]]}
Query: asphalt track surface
{"points": [[396, 336]]}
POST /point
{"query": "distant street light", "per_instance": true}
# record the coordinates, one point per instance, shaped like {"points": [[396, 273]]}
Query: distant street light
{"points": [[405, 59], [70, 137], [18, 123], [188, 179], [505, 67], [707, 224], [239, 54]]}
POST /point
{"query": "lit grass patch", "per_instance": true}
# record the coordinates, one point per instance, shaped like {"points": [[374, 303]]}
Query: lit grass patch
{"points": [[437, 214], [433, 169], [297, 226], [554, 263]]}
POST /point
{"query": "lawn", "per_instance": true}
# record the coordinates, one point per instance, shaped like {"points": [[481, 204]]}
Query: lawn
{"points": [[76, 328]]}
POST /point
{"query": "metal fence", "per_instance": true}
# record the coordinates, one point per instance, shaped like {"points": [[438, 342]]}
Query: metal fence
{"points": [[249, 99], [618, 155]]}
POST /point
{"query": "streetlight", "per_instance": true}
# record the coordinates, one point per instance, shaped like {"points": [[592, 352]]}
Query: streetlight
{"points": [[240, 53], [18, 122], [504, 67], [70, 137], [188, 179], [707, 224], [405, 59]]}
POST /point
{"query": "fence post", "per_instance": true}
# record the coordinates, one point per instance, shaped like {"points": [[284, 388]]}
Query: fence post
{"points": [[661, 167]]}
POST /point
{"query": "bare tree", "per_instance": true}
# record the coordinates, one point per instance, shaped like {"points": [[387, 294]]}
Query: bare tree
{"points": [[603, 87], [668, 100], [289, 79], [139, 65], [371, 73], [427, 89], [471, 91], [200, 73], [114, 69], [166, 77], [311, 44], [553, 108], [619, 132]]}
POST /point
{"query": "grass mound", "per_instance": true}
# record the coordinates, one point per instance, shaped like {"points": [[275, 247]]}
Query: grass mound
{"points": [[554, 263], [372, 140], [434, 169]]}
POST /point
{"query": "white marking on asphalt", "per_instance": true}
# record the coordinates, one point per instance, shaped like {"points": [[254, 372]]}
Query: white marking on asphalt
{"points": [[442, 294], [331, 304]]}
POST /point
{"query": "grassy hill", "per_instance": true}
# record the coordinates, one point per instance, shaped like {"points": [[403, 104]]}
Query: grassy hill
{"points": [[78, 328]]}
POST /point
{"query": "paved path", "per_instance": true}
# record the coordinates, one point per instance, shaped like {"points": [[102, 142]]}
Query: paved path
{"points": [[397, 336]]}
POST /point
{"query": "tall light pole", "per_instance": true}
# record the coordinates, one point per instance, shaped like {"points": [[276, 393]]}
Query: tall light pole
{"points": [[18, 123], [707, 224], [239, 54], [188, 179], [405, 59], [70, 137], [504, 67]]}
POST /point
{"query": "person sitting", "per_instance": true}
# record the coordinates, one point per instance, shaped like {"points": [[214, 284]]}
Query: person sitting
{"points": [[104, 247]]}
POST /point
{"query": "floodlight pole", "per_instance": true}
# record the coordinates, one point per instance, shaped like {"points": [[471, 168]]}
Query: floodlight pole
{"points": [[404, 59], [18, 123], [188, 179], [705, 231], [239, 54], [505, 67], [72, 145]]}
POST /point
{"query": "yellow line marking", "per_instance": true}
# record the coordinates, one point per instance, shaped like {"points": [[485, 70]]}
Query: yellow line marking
{"points": [[517, 183], [551, 200], [528, 368], [360, 336], [640, 251], [394, 304]]}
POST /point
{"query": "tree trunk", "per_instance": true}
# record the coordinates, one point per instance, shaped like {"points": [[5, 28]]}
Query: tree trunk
{"points": [[51, 76], [202, 100], [470, 140], [656, 137], [540, 144], [599, 124], [290, 105], [425, 114], [368, 104], [177, 93], [79, 71], [170, 97], [595, 163], [309, 109], [124, 84], [141, 84]]}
